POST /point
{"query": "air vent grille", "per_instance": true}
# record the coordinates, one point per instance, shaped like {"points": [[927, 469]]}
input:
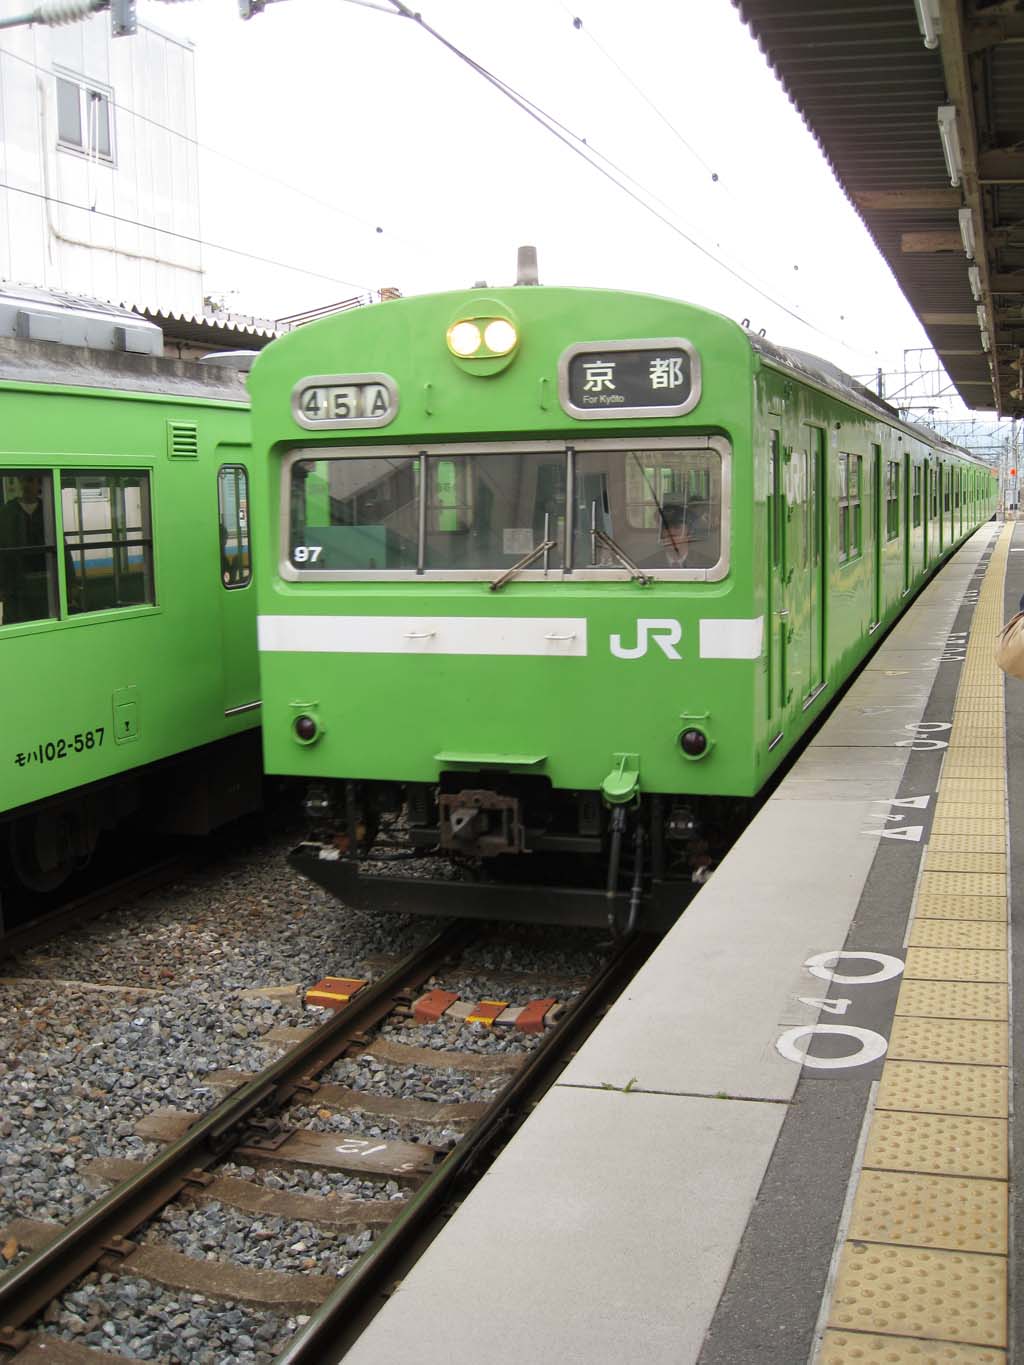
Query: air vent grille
{"points": [[182, 441]]}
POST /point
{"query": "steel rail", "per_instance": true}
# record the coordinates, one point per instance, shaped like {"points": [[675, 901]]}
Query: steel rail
{"points": [[103, 1226], [318, 1341]]}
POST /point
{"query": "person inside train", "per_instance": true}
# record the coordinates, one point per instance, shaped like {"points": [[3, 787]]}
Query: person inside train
{"points": [[684, 541], [24, 576]]}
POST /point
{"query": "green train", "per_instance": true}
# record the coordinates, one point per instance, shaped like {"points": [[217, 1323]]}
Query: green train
{"points": [[129, 690], [552, 580]]}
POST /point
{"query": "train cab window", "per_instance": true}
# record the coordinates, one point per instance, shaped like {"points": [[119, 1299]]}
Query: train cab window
{"points": [[488, 511], [108, 540], [28, 557], [848, 491], [355, 513], [661, 508], [233, 513]]}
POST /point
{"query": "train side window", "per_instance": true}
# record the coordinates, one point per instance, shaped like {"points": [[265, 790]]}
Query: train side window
{"points": [[848, 490], [108, 540], [28, 547], [775, 498], [233, 512], [892, 501], [916, 502]]}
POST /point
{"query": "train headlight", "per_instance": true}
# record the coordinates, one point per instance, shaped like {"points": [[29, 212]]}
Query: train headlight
{"points": [[500, 336], [464, 339], [483, 336]]}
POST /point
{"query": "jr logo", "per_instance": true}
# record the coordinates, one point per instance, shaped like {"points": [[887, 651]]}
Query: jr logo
{"points": [[665, 634]]}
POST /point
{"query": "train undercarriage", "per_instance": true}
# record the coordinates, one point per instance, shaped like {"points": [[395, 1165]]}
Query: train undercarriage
{"points": [[496, 845]]}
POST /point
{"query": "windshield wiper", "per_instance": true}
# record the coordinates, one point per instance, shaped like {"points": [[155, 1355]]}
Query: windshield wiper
{"points": [[542, 549], [599, 537]]}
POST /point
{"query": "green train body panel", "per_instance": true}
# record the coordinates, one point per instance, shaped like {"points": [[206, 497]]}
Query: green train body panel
{"points": [[752, 656], [93, 695]]}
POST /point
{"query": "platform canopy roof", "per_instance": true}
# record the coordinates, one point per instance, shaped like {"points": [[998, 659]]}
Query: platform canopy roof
{"points": [[906, 97]]}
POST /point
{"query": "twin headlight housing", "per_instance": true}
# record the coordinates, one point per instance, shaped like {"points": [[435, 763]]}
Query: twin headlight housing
{"points": [[482, 338]]}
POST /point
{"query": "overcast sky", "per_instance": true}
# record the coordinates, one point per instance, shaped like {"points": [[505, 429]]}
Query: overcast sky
{"points": [[348, 120]]}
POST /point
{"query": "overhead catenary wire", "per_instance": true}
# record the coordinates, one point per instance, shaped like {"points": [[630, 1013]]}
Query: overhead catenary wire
{"points": [[185, 237], [582, 149], [261, 174]]}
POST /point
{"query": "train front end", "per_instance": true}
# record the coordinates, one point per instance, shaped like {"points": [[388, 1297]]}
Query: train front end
{"points": [[509, 631]]}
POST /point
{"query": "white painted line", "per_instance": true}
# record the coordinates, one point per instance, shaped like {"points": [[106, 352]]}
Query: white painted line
{"points": [[542, 636], [731, 639]]}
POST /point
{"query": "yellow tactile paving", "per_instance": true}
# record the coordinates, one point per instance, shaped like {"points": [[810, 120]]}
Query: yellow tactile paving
{"points": [[964, 883], [906, 1291], [958, 933], [941, 860], [923, 1274], [954, 999], [994, 809], [937, 1144], [938, 905], [980, 1041], [953, 1212], [967, 836], [863, 1348], [940, 1088], [955, 964]]}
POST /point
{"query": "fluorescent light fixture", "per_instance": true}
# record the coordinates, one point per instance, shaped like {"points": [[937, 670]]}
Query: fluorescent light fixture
{"points": [[967, 231], [929, 21], [950, 136], [986, 337], [974, 276]]}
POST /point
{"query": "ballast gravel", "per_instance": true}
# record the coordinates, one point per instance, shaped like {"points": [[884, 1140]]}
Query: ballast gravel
{"points": [[131, 1014], [216, 1233], [132, 1317]]}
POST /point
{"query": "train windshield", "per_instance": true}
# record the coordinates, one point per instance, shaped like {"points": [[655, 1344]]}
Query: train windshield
{"points": [[472, 512]]}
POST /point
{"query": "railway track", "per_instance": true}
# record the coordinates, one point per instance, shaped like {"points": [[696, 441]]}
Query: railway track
{"points": [[209, 1160]]}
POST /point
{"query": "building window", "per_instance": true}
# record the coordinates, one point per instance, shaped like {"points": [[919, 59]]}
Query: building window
{"points": [[233, 506], [892, 501], [849, 485], [108, 540], [84, 118]]}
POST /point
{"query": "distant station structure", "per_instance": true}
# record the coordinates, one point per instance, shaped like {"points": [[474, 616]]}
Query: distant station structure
{"points": [[918, 106]]}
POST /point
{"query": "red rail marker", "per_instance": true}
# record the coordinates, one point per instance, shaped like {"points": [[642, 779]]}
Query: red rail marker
{"points": [[334, 991], [429, 1008], [486, 1011], [531, 1020]]}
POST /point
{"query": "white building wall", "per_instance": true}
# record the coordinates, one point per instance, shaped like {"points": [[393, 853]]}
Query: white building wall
{"points": [[75, 220]]}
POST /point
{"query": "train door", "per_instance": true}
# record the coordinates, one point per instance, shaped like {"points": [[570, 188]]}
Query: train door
{"points": [[940, 494], [238, 601], [905, 522], [777, 611], [877, 531]]}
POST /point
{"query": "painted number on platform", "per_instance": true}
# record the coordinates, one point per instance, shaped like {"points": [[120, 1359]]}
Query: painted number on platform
{"points": [[793, 1043]]}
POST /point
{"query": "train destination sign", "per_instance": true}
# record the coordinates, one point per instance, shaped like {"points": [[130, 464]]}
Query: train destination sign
{"points": [[330, 401], [659, 377]]}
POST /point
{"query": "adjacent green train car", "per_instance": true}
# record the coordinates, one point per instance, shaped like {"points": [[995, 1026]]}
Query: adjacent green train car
{"points": [[551, 581], [129, 687]]}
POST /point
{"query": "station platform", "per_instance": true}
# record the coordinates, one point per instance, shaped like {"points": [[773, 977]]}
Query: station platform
{"points": [[789, 1140]]}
